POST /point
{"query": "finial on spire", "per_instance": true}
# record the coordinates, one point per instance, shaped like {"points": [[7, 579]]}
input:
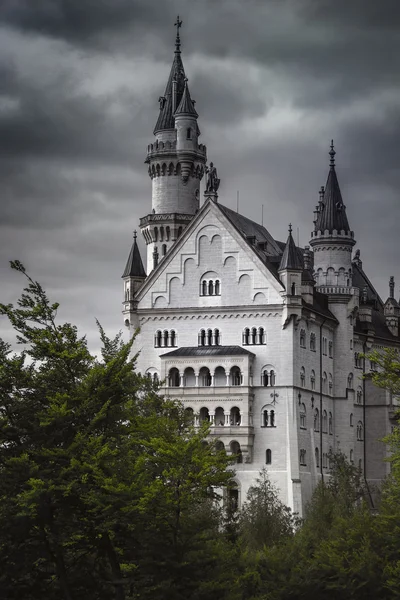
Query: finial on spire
{"points": [[178, 25], [135, 235], [290, 229], [332, 154]]}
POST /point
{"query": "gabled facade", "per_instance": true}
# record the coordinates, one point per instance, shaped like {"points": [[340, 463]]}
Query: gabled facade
{"points": [[258, 337]]}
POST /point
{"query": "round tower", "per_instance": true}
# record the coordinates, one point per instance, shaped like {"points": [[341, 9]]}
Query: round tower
{"points": [[332, 240], [176, 164]]}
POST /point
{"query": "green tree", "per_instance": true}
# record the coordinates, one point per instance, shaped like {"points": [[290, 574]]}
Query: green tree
{"points": [[104, 484]]}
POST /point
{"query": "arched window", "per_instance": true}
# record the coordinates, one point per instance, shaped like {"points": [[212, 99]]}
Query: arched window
{"points": [[359, 396], [165, 338], [158, 339], [202, 337], [236, 376], [254, 335], [204, 377], [316, 419], [330, 424], [164, 249], [235, 418], [174, 378], [324, 422], [173, 339], [216, 337], [352, 457], [302, 457], [204, 288], [204, 414], [210, 288], [268, 457], [189, 133], [324, 382], [330, 349], [246, 336], [303, 377], [235, 449], [302, 338], [303, 416], [261, 335], [351, 419], [293, 289], [316, 457], [155, 378], [350, 381], [272, 418], [312, 379], [268, 376], [330, 383], [209, 337], [313, 342], [268, 418], [360, 432], [217, 288]]}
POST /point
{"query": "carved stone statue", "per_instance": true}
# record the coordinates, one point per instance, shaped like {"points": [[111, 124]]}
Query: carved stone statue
{"points": [[212, 184]]}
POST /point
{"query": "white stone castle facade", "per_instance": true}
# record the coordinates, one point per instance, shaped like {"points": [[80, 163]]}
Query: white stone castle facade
{"points": [[259, 337]]}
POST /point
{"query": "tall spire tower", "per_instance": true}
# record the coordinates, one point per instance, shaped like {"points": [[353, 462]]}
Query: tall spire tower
{"points": [[176, 164], [332, 240]]}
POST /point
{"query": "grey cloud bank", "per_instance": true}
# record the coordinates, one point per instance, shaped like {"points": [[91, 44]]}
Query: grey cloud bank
{"points": [[274, 81]]}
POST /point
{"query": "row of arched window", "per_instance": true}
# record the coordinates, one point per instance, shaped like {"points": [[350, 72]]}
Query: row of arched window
{"points": [[209, 337], [327, 383], [253, 336], [165, 339], [204, 378], [210, 287], [327, 422], [327, 346], [219, 418], [269, 418]]}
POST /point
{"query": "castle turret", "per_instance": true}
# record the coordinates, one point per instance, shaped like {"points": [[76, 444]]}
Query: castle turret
{"points": [[291, 267], [332, 242], [392, 310], [176, 164], [133, 276]]}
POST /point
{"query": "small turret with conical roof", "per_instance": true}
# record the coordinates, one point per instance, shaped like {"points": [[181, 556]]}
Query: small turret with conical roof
{"points": [[291, 267], [332, 239], [133, 276], [392, 310], [176, 164]]}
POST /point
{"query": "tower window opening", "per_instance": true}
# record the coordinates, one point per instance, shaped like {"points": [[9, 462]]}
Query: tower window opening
{"points": [[164, 249], [268, 418], [268, 457], [189, 133]]}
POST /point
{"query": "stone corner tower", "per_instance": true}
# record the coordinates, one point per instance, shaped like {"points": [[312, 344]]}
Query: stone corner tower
{"points": [[176, 163]]}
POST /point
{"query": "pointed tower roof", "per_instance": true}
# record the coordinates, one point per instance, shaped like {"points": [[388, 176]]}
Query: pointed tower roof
{"points": [[134, 266], [166, 117], [332, 213], [186, 106], [290, 257]]}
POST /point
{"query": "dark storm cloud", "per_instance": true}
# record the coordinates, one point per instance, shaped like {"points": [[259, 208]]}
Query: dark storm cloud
{"points": [[274, 80]]}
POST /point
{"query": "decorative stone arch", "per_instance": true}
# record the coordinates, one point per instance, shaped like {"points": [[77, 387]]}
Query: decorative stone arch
{"points": [[268, 415]]}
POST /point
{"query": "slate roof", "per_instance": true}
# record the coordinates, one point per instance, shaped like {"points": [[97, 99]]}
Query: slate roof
{"points": [[333, 212], [186, 106], [134, 266], [208, 351], [166, 118], [290, 257]]}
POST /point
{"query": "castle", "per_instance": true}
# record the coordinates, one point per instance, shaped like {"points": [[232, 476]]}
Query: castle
{"points": [[261, 338]]}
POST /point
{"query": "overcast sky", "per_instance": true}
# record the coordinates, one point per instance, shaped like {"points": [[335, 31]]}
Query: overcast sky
{"points": [[273, 81]]}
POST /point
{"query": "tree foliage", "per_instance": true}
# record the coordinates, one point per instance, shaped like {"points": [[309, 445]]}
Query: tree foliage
{"points": [[104, 484]]}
